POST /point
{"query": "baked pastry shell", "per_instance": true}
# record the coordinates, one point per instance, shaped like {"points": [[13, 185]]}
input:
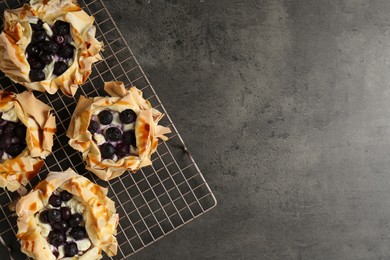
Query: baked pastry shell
{"points": [[147, 130], [100, 216], [17, 35], [41, 126]]}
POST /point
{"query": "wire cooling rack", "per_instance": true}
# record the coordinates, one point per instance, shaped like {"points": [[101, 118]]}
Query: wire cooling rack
{"points": [[157, 199]]}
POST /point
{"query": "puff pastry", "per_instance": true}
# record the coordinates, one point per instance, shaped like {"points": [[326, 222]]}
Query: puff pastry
{"points": [[110, 146], [48, 45], [18, 166], [37, 231]]}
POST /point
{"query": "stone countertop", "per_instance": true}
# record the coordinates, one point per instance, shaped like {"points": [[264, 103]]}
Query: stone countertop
{"points": [[285, 107]]}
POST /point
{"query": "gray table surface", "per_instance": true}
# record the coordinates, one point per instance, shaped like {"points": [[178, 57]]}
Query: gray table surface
{"points": [[285, 106]]}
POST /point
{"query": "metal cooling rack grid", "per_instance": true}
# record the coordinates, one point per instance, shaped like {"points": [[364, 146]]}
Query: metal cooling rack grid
{"points": [[157, 199]]}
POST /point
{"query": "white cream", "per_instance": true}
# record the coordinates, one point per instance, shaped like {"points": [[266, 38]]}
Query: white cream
{"points": [[47, 29], [43, 228], [10, 115], [128, 127], [75, 206], [61, 252], [99, 138], [83, 244]]}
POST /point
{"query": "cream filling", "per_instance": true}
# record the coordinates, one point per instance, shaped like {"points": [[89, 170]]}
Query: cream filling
{"points": [[44, 229]]}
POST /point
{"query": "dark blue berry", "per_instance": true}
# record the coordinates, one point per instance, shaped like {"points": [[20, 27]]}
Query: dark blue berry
{"points": [[36, 75], [66, 51], [70, 249], [107, 151], [56, 238], [127, 116], [62, 28], [33, 50], [75, 220], [62, 226], [54, 215], [5, 142], [78, 233], [105, 117], [129, 137], [65, 213], [59, 68], [122, 150], [58, 39], [35, 64], [37, 26], [38, 36], [65, 195], [15, 149], [9, 128], [49, 47], [93, 126], [113, 133], [20, 131], [44, 217], [54, 200], [45, 58]]}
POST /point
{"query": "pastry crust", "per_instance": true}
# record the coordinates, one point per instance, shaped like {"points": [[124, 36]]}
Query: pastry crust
{"points": [[41, 127], [17, 35], [147, 131], [100, 216]]}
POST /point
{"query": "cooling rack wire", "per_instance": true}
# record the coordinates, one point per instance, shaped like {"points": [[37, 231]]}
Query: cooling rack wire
{"points": [[157, 199]]}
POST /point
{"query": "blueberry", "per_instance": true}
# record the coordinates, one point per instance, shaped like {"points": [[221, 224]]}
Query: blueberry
{"points": [[44, 217], [127, 116], [71, 249], [66, 51], [9, 128], [75, 220], [105, 117], [20, 131], [113, 133], [33, 50], [54, 215], [59, 68], [107, 151], [37, 26], [78, 233], [35, 64], [15, 149], [122, 150], [38, 36], [62, 28], [36, 75], [5, 142], [129, 137], [62, 226], [93, 126], [55, 200], [49, 47], [45, 58], [65, 195], [58, 39], [56, 238], [65, 213]]}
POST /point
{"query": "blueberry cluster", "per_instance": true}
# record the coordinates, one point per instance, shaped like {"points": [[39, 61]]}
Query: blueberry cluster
{"points": [[12, 138], [63, 224], [43, 49], [117, 141]]}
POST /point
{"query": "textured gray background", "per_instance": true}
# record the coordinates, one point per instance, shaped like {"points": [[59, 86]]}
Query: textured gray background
{"points": [[285, 106]]}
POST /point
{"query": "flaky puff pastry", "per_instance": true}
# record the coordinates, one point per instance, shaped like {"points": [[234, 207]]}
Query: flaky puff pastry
{"points": [[147, 131], [17, 35], [41, 126], [99, 215]]}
